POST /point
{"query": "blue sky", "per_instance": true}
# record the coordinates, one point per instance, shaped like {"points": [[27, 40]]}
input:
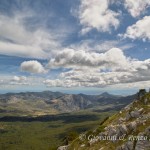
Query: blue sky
{"points": [[72, 46]]}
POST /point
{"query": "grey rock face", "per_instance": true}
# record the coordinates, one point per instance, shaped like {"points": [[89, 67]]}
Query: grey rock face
{"points": [[128, 116], [122, 129], [132, 126], [112, 132], [127, 146], [135, 114], [147, 131], [142, 145]]}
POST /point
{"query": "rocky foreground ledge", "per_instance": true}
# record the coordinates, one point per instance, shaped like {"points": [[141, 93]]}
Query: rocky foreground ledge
{"points": [[127, 130]]}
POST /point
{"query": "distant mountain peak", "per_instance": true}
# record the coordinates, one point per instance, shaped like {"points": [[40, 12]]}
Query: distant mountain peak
{"points": [[105, 94]]}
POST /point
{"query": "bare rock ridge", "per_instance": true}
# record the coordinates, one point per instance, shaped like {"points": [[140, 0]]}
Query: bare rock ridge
{"points": [[127, 130]]}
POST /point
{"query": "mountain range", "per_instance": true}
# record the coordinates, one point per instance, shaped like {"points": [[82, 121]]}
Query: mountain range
{"points": [[47, 102]]}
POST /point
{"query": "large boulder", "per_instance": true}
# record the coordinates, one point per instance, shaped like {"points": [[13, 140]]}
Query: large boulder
{"points": [[134, 114]]}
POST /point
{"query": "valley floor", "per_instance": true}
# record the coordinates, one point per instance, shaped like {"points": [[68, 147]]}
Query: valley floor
{"points": [[45, 134]]}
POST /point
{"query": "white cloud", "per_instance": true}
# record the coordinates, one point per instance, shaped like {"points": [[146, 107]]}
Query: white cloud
{"points": [[17, 40], [96, 14], [139, 30], [54, 83], [98, 69], [12, 82], [1, 81], [32, 66], [19, 79], [94, 78], [69, 58], [27, 51], [136, 7]]}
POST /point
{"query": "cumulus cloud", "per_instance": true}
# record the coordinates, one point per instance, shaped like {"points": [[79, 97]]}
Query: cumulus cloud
{"points": [[96, 14], [136, 7], [139, 30], [32, 66], [17, 80], [69, 58], [98, 69], [54, 83], [95, 78]]}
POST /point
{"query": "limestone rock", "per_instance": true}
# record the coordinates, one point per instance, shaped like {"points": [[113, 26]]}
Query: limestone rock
{"points": [[128, 116], [135, 114], [142, 144], [111, 132], [127, 146], [122, 129], [132, 126]]}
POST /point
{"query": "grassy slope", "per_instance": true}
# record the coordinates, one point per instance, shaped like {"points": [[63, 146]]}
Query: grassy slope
{"points": [[108, 145]]}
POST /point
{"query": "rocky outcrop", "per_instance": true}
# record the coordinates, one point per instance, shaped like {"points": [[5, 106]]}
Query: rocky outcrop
{"points": [[142, 145], [145, 143], [121, 130], [127, 146], [134, 114], [130, 125]]}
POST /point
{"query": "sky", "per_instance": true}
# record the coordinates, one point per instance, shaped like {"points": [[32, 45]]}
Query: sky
{"points": [[75, 46]]}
